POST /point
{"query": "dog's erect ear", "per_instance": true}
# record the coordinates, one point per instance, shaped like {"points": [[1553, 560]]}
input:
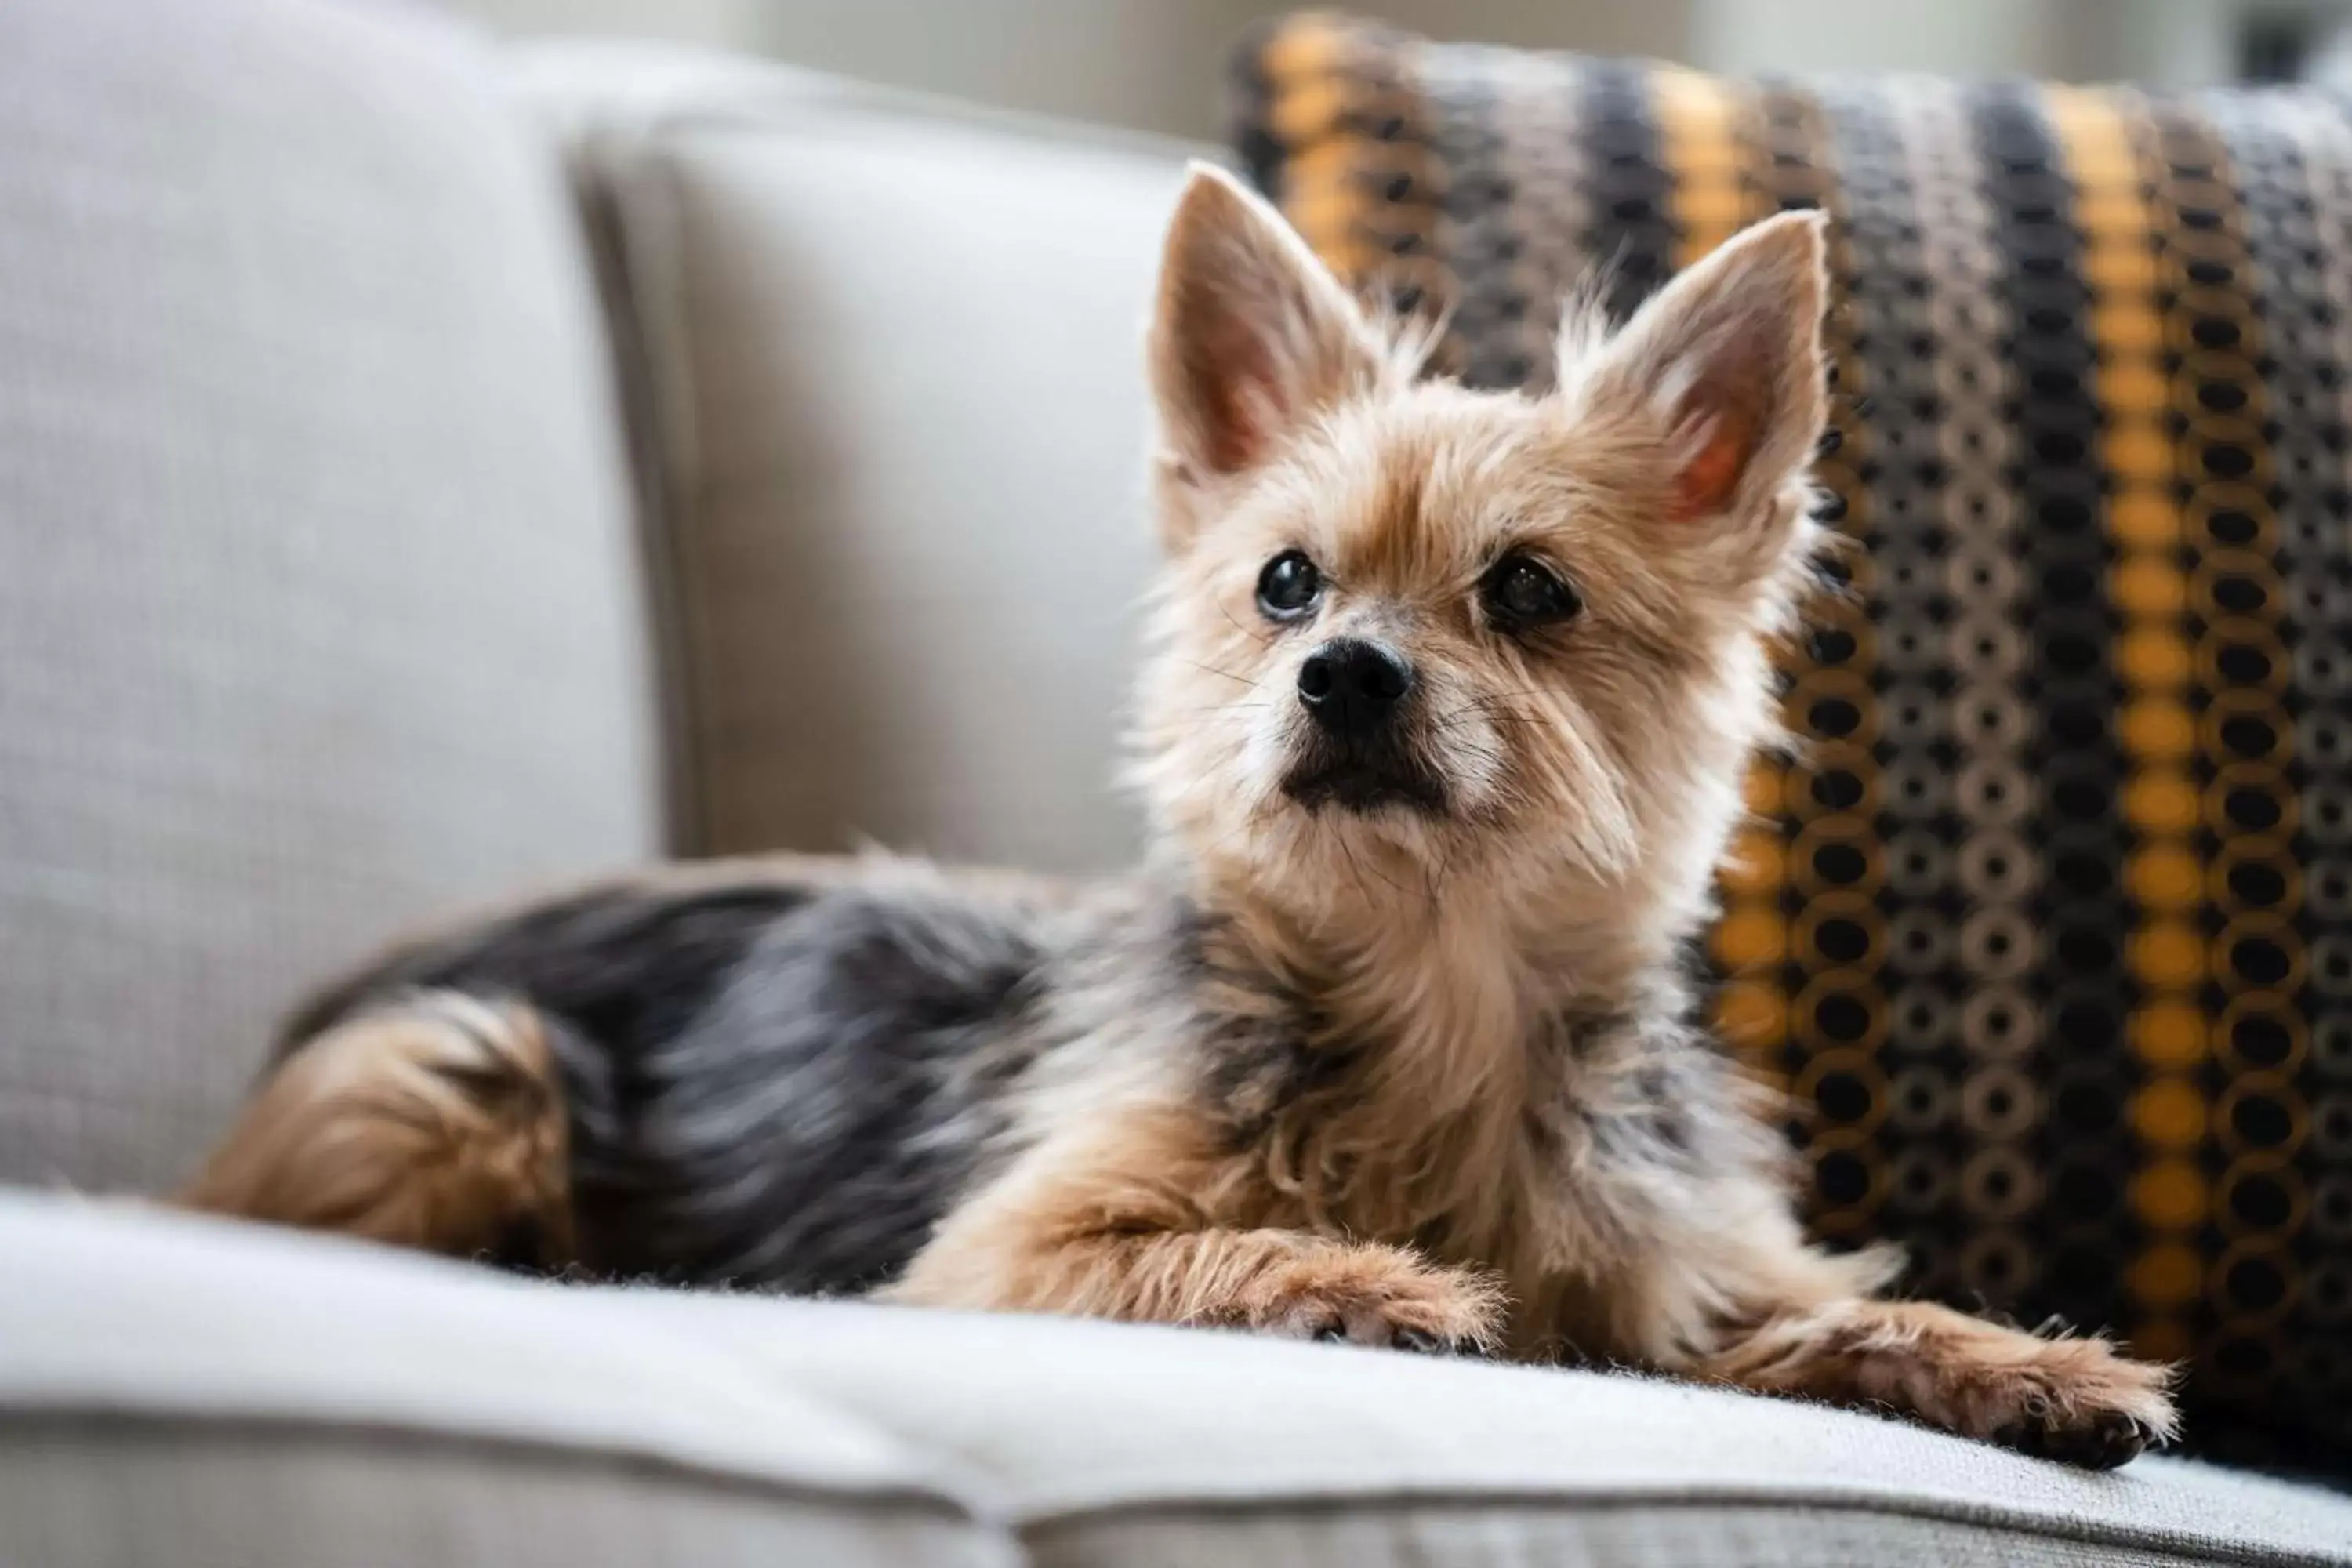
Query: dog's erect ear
{"points": [[1251, 335], [1728, 357]]}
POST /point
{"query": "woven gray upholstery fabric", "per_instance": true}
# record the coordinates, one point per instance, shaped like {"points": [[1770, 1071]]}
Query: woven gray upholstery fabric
{"points": [[895, 1435], [1658, 1534], [133, 1495], [890, 385], [319, 603]]}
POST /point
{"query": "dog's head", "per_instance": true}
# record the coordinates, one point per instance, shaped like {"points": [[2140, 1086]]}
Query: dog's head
{"points": [[1438, 634]]}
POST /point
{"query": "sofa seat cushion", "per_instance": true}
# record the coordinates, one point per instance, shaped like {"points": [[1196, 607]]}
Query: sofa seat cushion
{"points": [[185, 1390]]}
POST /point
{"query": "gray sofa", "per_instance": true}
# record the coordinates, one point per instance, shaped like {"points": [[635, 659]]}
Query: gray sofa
{"points": [[427, 472]]}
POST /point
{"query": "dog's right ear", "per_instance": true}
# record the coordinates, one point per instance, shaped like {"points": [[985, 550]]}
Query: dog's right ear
{"points": [[1727, 359], [1250, 337]]}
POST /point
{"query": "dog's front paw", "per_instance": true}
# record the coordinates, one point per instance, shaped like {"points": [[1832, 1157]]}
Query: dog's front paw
{"points": [[2079, 1403], [1383, 1297], [2074, 1400]]}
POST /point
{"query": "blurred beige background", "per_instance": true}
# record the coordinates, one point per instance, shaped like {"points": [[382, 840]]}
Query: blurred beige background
{"points": [[1156, 65]]}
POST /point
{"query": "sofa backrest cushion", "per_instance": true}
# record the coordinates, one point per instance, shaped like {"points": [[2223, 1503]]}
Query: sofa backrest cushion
{"points": [[887, 377]]}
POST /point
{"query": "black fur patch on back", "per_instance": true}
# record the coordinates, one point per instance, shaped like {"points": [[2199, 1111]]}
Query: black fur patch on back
{"points": [[808, 1127], [623, 965], [769, 1084]]}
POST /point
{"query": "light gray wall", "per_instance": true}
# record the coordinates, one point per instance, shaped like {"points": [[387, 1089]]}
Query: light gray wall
{"points": [[2178, 42], [1155, 64], [1158, 65], [719, 24], [1963, 37]]}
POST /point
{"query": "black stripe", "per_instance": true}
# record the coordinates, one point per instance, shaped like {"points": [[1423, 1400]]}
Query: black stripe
{"points": [[2082, 988], [1490, 308], [1628, 189], [1251, 108]]}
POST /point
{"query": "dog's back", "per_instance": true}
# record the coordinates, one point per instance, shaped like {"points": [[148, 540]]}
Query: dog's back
{"points": [[778, 1075]]}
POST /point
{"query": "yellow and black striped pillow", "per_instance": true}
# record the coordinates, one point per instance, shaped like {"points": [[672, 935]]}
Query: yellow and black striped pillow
{"points": [[2052, 935]]}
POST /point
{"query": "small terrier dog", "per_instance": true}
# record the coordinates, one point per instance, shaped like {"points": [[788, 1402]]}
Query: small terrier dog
{"points": [[1387, 1041]]}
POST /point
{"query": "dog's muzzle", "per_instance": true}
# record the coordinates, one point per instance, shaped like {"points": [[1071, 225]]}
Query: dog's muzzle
{"points": [[1358, 695]]}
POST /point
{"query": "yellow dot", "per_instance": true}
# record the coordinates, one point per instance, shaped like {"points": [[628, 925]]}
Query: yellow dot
{"points": [[1306, 109], [2139, 451], [2151, 658], [2167, 953], [2160, 1339], [2170, 1034], [2169, 1195], [1751, 935], [2133, 387], [2146, 586], [2097, 155], [2170, 1114], [2166, 1275], [2166, 877], [2116, 269], [1752, 1015], [2145, 520], [1327, 218], [2126, 327], [1706, 160], [2160, 802], [1760, 789], [2103, 213], [2157, 727], [1717, 205]]}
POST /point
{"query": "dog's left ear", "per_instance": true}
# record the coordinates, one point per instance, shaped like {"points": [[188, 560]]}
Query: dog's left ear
{"points": [[1251, 335], [1728, 359]]}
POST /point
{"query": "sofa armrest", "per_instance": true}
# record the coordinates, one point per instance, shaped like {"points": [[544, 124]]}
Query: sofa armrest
{"points": [[318, 597]]}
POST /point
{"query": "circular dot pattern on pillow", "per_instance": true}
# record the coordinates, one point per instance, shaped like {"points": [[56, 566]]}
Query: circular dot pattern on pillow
{"points": [[2047, 925]]}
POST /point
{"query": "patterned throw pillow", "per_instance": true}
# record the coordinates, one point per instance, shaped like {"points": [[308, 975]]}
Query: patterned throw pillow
{"points": [[2049, 931]]}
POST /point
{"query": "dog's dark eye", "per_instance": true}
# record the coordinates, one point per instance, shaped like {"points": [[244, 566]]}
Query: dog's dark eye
{"points": [[1522, 592], [1288, 586]]}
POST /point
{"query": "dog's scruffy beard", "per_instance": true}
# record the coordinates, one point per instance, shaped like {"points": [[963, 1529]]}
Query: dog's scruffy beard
{"points": [[1365, 777], [1475, 797]]}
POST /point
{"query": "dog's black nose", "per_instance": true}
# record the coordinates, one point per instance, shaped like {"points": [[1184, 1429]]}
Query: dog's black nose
{"points": [[1353, 688]]}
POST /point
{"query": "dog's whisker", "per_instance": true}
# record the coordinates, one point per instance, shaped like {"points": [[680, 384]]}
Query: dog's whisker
{"points": [[1213, 669], [1263, 639]]}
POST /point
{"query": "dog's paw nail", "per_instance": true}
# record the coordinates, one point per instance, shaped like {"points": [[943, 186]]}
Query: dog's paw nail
{"points": [[1421, 1342], [2097, 1442], [2111, 1440], [1335, 1333]]}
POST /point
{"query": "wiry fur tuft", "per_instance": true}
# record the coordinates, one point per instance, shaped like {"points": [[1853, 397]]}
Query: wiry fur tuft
{"points": [[1442, 735]]}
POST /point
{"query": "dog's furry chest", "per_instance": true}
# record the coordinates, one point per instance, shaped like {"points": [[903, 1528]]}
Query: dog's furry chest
{"points": [[1540, 1157]]}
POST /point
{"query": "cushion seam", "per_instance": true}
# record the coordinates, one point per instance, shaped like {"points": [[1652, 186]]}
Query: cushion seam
{"points": [[1036, 1531], [1048, 1516], [648, 240], [177, 1426]]}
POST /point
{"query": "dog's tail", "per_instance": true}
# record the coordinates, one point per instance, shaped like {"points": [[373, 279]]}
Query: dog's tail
{"points": [[434, 1120]]}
